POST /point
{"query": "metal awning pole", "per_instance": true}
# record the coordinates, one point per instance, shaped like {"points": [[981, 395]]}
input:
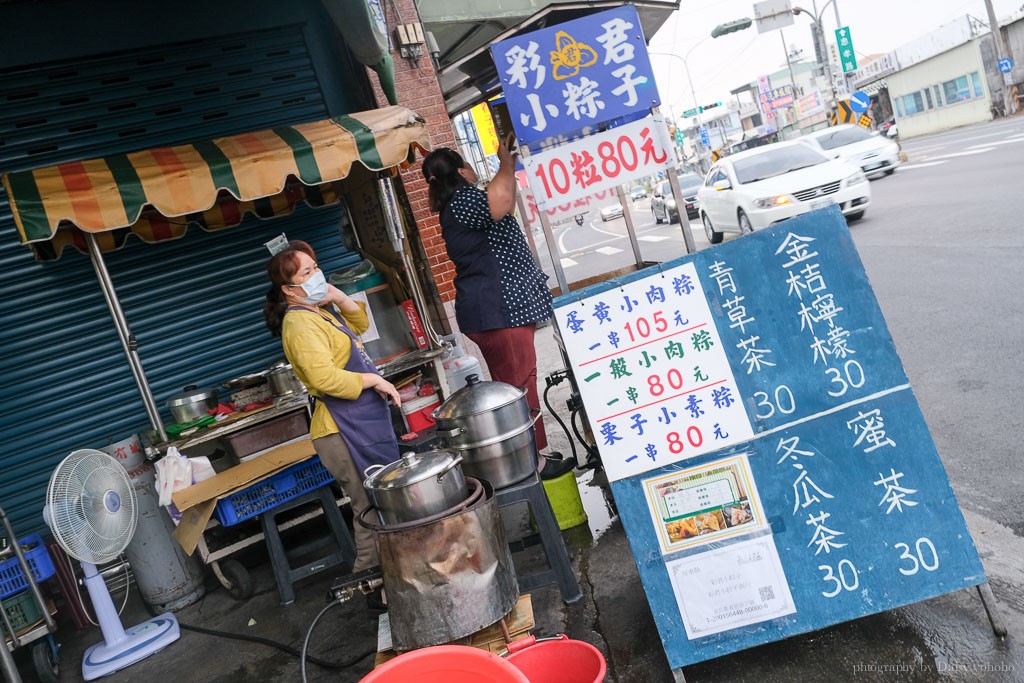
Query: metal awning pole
{"points": [[124, 333]]}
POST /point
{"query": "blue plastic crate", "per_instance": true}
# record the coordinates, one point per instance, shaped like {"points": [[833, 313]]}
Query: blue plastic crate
{"points": [[12, 579], [272, 491]]}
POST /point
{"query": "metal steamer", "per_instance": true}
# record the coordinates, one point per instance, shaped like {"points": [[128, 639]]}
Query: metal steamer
{"points": [[490, 424], [448, 574]]}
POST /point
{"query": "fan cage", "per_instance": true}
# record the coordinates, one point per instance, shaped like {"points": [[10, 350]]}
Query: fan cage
{"points": [[92, 506]]}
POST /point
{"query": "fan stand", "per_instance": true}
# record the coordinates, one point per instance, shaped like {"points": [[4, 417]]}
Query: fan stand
{"points": [[120, 647]]}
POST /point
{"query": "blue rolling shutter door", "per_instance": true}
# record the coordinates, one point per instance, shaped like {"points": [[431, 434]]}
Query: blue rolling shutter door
{"points": [[194, 304]]}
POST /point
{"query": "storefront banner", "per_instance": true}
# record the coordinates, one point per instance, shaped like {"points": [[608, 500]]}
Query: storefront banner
{"points": [[577, 73], [770, 464], [599, 162], [809, 105]]}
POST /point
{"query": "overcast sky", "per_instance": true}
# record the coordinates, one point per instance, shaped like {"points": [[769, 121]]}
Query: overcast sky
{"points": [[722, 64]]}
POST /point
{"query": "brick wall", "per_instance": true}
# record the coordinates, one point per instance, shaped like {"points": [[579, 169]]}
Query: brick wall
{"points": [[418, 89]]}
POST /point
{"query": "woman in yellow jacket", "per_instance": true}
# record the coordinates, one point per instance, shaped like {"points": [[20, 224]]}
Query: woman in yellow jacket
{"points": [[351, 426]]}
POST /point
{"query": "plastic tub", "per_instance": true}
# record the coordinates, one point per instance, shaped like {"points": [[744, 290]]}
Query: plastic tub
{"points": [[417, 411], [557, 660], [447, 664]]}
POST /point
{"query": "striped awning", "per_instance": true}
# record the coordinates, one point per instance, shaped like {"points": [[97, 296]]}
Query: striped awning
{"points": [[157, 193]]}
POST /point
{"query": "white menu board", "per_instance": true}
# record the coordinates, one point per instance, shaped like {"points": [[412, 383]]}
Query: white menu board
{"points": [[653, 373]]}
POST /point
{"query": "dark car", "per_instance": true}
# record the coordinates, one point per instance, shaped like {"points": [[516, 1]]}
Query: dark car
{"points": [[663, 205]]}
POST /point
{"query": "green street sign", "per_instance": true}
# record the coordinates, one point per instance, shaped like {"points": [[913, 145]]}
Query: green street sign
{"points": [[847, 55], [690, 113]]}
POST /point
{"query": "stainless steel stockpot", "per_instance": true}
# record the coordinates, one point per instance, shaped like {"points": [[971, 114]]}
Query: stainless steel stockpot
{"points": [[417, 485]]}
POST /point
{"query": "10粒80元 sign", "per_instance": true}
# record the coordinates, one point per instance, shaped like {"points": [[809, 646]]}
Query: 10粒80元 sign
{"points": [[599, 162]]}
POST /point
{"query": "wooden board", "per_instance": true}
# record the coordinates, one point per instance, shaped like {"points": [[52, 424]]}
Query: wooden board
{"points": [[519, 621]]}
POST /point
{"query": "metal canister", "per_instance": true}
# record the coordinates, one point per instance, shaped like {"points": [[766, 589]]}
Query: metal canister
{"points": [[448, 578]]}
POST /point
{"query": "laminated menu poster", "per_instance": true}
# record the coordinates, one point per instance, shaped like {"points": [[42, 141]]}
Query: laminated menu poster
{"points": [[771, 466]]}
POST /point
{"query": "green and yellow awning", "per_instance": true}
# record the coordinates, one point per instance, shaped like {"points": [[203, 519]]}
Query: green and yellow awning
{"points": [[157, 193]]}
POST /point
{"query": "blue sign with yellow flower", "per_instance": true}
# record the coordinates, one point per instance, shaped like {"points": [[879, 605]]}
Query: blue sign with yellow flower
{"points": [[577, 74]]}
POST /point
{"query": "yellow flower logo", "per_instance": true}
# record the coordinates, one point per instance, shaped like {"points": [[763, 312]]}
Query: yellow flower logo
{"points": [[570, 56]]}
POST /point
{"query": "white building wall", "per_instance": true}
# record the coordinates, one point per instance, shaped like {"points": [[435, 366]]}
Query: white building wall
{"points": [[960, 61]]}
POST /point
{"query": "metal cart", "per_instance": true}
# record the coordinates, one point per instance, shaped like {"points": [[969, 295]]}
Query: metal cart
{"points": [[44, 652]]}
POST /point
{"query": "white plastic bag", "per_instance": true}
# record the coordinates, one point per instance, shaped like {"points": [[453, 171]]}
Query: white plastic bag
{"points": [[173, 473]]}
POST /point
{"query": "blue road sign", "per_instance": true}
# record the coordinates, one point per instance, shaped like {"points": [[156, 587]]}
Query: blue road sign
{"points": [[860, 101], [576, 74], [704, 136], [770, 463], [1005, 64]]}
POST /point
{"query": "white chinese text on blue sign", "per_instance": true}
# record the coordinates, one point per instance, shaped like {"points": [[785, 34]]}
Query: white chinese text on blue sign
{"points": [[577, 74]]}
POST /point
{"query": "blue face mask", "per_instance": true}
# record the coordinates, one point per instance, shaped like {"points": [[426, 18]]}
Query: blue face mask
{"points": [[315, 288]]}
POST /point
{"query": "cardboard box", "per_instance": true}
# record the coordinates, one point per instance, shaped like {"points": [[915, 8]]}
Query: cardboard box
{"points": [[197, 502]]}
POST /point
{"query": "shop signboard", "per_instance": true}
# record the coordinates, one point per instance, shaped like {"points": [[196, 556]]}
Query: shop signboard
{"points": [[576, 74], [599, 162], [771, 466]]}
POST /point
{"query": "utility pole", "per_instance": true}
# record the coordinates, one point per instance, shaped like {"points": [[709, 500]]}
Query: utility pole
{"points": [[1001, 52], [792, 80]]}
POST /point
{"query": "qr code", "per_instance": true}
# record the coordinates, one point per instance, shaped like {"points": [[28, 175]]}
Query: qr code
{"points": [[766, 593]]}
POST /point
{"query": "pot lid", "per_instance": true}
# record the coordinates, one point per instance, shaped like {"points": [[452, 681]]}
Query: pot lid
{"points": [[412, 468], [477, 397], [191, 394], [247, 381]]}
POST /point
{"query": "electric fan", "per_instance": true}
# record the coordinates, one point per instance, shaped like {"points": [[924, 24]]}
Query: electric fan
{"points": [[91, 509]]}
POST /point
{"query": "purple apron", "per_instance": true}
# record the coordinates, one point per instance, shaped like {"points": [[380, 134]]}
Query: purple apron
{"points": [[364, 422]]}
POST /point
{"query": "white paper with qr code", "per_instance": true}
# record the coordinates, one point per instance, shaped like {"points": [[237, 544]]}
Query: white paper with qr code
{"points": [[722, 589]]}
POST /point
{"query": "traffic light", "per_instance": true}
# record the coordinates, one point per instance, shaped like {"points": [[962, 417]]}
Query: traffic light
{"points": [[731, 27], [711, 106]]}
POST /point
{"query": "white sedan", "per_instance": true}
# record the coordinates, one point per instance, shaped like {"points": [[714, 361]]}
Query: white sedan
{"points": [[765, 185], [876, 154]]}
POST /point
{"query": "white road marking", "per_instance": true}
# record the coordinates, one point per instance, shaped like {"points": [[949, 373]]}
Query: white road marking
{"points": [[925, 164], [567, 262], [561, 240], [655, 238], [979, 137], [967, 153], [998, 142], [608, 251]]}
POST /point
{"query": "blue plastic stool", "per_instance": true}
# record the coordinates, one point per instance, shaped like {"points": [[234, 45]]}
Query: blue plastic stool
{"points": [[284, 574], [560, 571]]}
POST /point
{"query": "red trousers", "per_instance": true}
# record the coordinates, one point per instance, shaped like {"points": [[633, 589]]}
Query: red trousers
{"points": [[512, 359]]}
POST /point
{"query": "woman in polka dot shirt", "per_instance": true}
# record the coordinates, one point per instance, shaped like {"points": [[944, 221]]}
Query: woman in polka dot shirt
{"points": [[500, 293]]}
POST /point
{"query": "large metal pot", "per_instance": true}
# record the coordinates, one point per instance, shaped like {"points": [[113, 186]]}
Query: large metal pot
{"points": [[416, 486], [192, 403], [283, 381], [489, 423], [448, 578]]}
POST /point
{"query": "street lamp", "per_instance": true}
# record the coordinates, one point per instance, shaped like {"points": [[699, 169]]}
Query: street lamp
{"points": [[689, 80], [821, 47]]}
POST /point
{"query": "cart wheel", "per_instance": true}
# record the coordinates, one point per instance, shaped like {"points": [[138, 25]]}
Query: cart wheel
{"points": [[238, 575], [45, 660]]}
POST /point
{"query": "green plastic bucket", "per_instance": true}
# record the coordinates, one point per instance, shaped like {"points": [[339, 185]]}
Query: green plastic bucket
{"points": [[564, 495]]}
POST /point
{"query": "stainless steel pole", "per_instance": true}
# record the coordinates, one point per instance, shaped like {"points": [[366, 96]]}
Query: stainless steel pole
{"points": [[630, 230], [124, 333], [677, 195]]}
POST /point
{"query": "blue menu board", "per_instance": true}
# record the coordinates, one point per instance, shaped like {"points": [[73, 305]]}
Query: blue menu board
{"points": [[772, 469]]}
